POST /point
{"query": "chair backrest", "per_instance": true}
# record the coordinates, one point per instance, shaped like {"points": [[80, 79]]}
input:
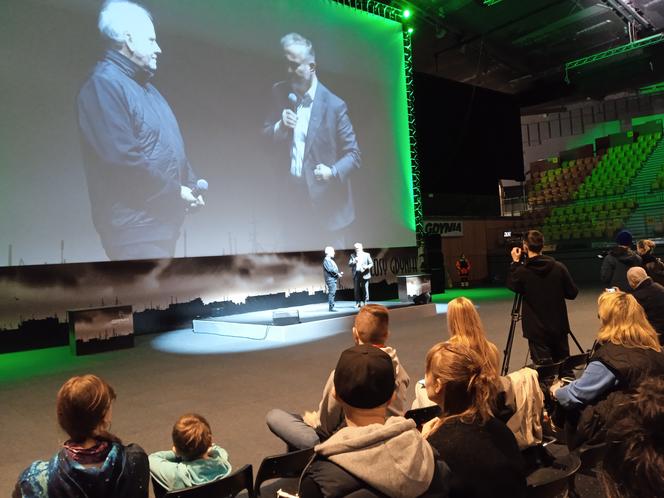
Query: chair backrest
{"points": [[228, 487], [286, 465], [547, 371], [553, 481], [575, 361], [422, 415]]}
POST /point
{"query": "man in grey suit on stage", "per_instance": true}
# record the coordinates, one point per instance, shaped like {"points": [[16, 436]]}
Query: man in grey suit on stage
{"points": [[361, 264], [332, 274], [312, 126]]}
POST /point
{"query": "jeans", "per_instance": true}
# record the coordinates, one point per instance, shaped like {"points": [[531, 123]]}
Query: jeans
{"points": [[550, 352], [361, 288], [291, 429], [331, 291]]}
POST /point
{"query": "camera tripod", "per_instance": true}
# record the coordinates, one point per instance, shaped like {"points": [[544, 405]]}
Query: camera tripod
{"points": [[516, 318]]}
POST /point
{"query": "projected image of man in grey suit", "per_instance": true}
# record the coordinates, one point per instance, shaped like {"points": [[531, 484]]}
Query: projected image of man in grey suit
{"points": [[312, 125]]}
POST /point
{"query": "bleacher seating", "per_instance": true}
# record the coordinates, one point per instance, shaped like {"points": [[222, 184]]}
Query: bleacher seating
{"points": [[592, 197]]}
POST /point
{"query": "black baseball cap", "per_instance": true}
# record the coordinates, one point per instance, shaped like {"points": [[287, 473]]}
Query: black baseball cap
{"points": [[364, 377]]}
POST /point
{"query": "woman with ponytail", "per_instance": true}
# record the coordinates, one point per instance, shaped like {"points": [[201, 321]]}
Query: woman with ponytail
{"points": [[93, 461], [480, 450]]}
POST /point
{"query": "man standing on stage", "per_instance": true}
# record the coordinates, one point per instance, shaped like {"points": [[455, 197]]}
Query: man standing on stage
{"points": [[361, 264], [331, 274], [545, 284], [139, 179], [312, 127]]}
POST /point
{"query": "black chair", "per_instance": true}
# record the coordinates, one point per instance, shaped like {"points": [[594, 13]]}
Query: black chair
{"points": [[286, 465], [547, 372], [591, 457], [422, 415], [553, 480], [228, 487], [575, 362]]}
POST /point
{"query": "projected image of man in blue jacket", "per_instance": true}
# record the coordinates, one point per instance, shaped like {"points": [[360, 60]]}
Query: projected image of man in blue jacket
{"points": [[139, 179]]}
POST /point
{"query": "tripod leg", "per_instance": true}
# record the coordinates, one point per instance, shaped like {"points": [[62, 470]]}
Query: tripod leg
{"points": [[578, 345]]}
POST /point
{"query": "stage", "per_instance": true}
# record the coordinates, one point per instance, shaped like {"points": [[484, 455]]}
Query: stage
{"points": [[256, 331]]}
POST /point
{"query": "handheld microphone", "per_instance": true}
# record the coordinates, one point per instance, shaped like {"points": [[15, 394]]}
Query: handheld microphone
{"points": [[292, 100], [201, 186]]}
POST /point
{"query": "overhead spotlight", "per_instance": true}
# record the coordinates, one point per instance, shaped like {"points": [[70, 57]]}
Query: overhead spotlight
{"points": [[407, 13], [410, 31]]}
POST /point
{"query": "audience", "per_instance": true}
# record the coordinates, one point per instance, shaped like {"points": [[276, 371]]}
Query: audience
{"points": [[193, 460], [650, 295], [652, 264], [616, 263], [482, 453], [633, 465], [373, 454], [92, 462], [305, 431], [627, 352]]}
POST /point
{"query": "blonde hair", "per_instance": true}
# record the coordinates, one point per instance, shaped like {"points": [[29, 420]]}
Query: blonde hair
{"points": [[624, 322], [468, 390], [465, 327], [646, 245]]}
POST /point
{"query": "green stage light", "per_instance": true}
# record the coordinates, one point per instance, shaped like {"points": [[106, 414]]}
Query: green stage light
{"points": [[407, 13], [410, 31]]}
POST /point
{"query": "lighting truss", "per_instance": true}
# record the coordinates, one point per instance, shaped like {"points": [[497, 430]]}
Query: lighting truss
{"points": [[612, 52]]}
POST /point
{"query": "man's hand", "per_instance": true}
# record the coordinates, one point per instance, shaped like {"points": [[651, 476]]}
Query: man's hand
{"points": [[288, 118], [188, 197], [516, 254], [323, 173]]}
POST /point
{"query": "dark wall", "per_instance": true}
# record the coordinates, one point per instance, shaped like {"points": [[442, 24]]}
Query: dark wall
{"points": [[468, 137]]}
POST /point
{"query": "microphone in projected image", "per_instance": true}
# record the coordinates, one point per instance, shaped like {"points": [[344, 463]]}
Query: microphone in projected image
{"points": [[200, 188], [292, 100]]}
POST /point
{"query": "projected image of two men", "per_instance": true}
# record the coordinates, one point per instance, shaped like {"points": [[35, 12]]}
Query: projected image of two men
{"points": [[201, 128]]}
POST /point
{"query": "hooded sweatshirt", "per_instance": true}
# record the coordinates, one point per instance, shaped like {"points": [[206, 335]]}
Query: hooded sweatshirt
{"points": [[330, 416], [545, 284], [174, 473], [392, 458], [615, 265]]}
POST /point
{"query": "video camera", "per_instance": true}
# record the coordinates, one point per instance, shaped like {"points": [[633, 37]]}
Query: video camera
{"points": [[513, 239]]}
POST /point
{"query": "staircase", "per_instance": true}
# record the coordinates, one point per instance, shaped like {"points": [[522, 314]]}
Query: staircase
{"points": [[650, 205]]}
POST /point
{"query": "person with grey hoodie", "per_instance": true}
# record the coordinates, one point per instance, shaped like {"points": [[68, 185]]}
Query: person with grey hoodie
{"points": [[373, 455], [305, 431], [618, 260]]}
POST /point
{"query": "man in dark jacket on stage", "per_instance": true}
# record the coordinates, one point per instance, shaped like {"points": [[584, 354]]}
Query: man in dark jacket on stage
{"points": [[545, 284]]}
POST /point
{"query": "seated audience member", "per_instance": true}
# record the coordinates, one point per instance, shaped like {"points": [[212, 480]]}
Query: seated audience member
{"points": [[628, 352], [652, 264], [481, 452], [464, 326], [650, 296], [92, 462], [305, 431], [616, 263], [633, 465], [193, 460], [373, 455]]}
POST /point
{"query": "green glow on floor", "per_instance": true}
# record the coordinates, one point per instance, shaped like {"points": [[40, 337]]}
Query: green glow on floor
{"points": [[28, 364], [474, 294]]}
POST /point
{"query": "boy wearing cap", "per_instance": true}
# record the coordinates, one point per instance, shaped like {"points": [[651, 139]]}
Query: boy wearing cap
{"points": [[616, 263], [305, 431], [378, 455]]}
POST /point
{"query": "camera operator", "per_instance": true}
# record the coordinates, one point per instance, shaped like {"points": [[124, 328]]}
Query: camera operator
{"points": [[545, 284]]}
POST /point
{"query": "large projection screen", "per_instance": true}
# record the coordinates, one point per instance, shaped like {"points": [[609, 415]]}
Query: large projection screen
{"points": [[219, 73]]}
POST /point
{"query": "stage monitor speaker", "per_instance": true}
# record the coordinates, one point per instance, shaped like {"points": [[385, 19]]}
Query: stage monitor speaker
{"points": [[285, 317]]}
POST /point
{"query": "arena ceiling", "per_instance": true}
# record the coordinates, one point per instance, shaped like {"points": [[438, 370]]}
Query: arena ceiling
{"points": [[521, 46]]}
